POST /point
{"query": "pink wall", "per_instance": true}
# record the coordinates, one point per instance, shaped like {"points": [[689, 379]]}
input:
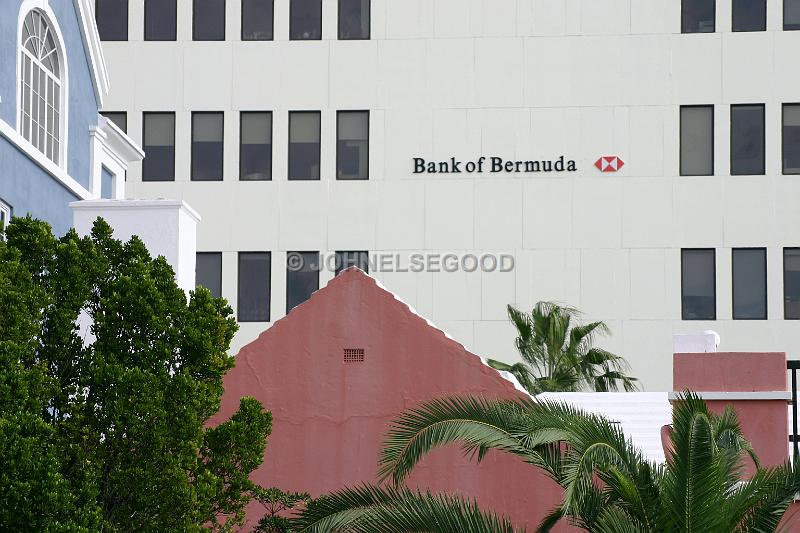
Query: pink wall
{"points": [[330, 417]]}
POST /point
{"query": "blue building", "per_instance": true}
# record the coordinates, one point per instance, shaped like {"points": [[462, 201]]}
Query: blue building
{"points": [[55, 147]]}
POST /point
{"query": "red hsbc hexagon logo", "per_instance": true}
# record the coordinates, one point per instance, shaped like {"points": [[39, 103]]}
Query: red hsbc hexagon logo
{"points": [[609, 163]]}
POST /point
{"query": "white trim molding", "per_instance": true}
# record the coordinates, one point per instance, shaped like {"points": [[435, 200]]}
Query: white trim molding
{"points": [[112, 150], [735, 395], [94, 51]]}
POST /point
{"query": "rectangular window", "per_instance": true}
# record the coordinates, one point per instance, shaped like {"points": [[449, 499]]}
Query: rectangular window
{"points": [[791, 283], [255, 270], [698, 16], [749, 15], [302, 277], [208, 20], [257, 20], [352, 145], [106, 184], [697, 140], [305, 20], [207, 146], [119, 118], [747, 140], [354, 19], [345, 260], [112, 19], [208, 272], [5, 218], [255, 148], [791, 138], [159, 147], [749, 283], [698, 284], [160, 20], [791, 14], [304, 154]]}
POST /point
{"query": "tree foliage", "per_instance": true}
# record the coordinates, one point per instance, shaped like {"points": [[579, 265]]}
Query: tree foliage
{"points": [[558, 353], [108, 375], [609, 487]]}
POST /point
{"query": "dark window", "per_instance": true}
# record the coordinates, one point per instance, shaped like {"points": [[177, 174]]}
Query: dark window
{"points": [[698, 16], [160, 20], [698, 284], [208, 20], [257, 20], [112, 19], [119, 118], [207, 146], [697, 140], [791, 138], [208, 272], [345, 260], [791, 14], [791, 283], [255, 150], [254, 286], [159, 147], [749, 284], [305, 20], [749, 15], [302, 277], [354, 19], [352, 145], [304, 152], [747, 139]]}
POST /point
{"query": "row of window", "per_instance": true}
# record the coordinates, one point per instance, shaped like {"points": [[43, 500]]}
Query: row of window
{"points": [[749, 273], [699, 16], [302, 278], [255, 145], [748, 139], [208, 20]]}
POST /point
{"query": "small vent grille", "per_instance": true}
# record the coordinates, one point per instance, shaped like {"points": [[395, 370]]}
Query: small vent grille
{"points": [[354, 355]]}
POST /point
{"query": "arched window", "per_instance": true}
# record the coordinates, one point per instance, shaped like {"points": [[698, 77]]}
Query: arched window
{"points": [[41, 86]]}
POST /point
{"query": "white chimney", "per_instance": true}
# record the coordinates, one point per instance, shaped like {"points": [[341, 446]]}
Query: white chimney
{"points": [[706, 342]]}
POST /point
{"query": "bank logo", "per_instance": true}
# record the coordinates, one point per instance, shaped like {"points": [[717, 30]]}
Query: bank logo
{"points": [[609, 163]]}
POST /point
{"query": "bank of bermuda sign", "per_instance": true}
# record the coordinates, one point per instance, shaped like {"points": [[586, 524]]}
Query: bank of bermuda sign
{"points": [[493, 165]]}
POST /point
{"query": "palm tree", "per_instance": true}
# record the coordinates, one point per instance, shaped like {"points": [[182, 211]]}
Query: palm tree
{"points": [[608, 485], [558, 353]]}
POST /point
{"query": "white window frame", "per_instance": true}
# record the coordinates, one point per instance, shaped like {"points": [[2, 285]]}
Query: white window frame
{"points": [[5, 217]]}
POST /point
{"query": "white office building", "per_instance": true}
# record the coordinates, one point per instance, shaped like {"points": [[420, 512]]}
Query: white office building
{"points": [[637, 159]]}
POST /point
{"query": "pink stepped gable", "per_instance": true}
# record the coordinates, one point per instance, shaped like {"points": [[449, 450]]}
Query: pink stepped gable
{"points": [[331, 409]]}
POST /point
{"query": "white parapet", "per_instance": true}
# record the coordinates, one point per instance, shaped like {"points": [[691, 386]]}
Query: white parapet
{"points": [[705, 342], [167, 227]]}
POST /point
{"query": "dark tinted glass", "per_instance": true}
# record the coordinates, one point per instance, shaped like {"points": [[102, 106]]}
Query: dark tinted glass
{"points": [[352, 145], [698, 16], [254, 286], [160, 20], [791, 14], [208, 20], [112, 19], [207, 146], [697, 140], [302, 277], [208, 272], [257, 20], [750, 284], [304, 145], [119, 118], [354, 19], [255, 150], [305, 20], [791, 283], [791, 138], [749, 15], [747, 139], [345, 260], [698, 285], [159, 147]]}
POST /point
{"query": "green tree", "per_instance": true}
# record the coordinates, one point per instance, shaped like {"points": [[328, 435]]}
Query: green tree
{"points": [[608, 486], [277, 505], [103, 428], [558, 353]]}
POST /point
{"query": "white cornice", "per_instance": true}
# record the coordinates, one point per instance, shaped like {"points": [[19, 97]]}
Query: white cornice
{"points": [[735, 395], [93, 49], [116, 140]]}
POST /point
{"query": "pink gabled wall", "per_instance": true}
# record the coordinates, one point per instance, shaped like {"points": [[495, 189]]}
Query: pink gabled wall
{"points": [[330, 417]]}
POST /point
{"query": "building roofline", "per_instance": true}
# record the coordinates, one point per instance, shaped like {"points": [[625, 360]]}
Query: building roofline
{"points": [[93, 49]]}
